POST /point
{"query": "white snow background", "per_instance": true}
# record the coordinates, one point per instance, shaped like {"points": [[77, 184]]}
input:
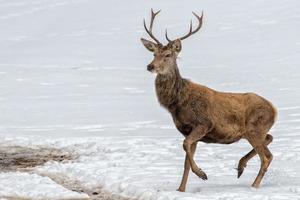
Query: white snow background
{"points": [[73, 76]]}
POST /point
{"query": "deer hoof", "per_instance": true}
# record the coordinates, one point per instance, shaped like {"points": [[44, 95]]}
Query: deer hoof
{"points": [[200, 174], [255, 185], [204, 176], [181, 189], [240, 171]]}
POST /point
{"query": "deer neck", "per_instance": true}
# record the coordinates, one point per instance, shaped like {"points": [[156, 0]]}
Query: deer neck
{"points": [[169, 87]]}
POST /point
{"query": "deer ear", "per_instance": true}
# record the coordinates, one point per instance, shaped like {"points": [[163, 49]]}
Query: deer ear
{"points": [[151, 46], [176, 45]]}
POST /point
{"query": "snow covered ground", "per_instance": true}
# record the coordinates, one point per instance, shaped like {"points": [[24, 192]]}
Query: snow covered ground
{"points": [[73, 76]]}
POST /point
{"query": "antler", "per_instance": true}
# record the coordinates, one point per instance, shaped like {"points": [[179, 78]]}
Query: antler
{"points": [[191, 32], [149, 31]]}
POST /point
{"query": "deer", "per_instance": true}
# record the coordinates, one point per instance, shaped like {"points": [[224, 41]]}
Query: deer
{"points": [[202, 114]]}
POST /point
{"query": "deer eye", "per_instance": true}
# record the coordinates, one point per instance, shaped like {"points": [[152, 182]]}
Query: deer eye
{"points": [[168, 55]]}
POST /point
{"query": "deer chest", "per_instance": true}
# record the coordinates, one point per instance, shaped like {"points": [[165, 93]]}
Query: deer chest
{"points": [[184, 121]]}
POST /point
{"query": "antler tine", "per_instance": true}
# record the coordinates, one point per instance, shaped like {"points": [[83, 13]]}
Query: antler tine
{"points": [[191, 32], [166, 34], [149, 31], [153, 15]]}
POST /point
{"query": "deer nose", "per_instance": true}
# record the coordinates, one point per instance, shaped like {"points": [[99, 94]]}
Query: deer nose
{"points": [[150, 67]]}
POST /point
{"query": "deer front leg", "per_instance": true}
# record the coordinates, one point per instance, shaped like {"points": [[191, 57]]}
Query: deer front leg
{"points": [[187, 168], [194, 137]]}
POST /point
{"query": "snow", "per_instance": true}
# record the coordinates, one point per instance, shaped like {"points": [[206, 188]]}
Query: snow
{"points": [[73, 76], [34, 187]]}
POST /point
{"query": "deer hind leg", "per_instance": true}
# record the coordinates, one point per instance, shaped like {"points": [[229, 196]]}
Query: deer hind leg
{"points": [[187, 168], [244, 160], [265, 157]]}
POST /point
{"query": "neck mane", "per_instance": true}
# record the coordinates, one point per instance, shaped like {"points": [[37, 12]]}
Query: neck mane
{"points": [[169, 88]]}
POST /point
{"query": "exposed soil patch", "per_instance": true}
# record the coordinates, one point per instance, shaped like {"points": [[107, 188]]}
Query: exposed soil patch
{"points": [[14, 158]]}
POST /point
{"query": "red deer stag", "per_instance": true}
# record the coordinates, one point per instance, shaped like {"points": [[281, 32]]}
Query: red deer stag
{"points": [[204, 114]]}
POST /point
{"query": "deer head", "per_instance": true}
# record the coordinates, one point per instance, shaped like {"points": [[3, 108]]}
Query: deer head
{"points": [[165, 56]]}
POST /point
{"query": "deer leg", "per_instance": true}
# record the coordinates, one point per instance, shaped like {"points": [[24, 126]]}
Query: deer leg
{"points": [[187, 167], [194, 137], [266, 158], [244, 160], [259, 145]]}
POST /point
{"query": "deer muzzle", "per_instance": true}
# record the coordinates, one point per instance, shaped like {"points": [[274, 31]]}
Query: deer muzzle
{"points": [[150, 67]]}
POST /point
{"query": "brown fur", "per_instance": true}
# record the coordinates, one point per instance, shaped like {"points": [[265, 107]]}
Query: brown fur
{"points": [[204, 114], [228, 116]]}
